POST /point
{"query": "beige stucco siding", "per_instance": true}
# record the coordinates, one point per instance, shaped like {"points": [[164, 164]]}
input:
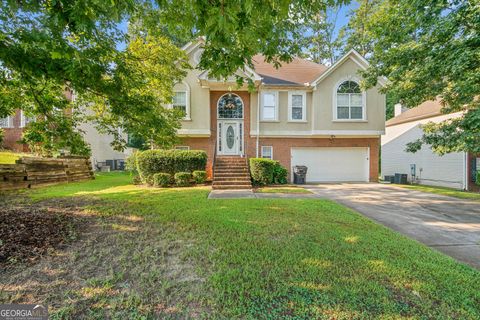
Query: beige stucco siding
{"points": [[324, 103], [199, 99]]}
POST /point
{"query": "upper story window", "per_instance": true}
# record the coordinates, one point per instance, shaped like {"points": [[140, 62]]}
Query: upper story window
{"points": [[181, 99], [24, 119], [297, 106], [6, 122], [230, 106], [349, 101], [269, 106]]}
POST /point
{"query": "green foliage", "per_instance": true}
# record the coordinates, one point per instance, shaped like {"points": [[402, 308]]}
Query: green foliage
{"points": [[279, 174], [137, 142], [183, 179], [477, 178], [428, 50], [2, 134], [150, 162], [262, 170], [199, 176], [131, 164], [50, 48], [162, 179]]}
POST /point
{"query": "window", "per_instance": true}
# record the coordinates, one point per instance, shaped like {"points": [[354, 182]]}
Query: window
{"points": [[269, 110], [182, 148], [180, 101], [24, 120], [349, 101], [296, 106], [267, 152], [230, 106], [5, 122]]}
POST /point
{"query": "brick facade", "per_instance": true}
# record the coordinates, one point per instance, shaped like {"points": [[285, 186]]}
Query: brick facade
{"points": [[13, 134], [281, 146]]}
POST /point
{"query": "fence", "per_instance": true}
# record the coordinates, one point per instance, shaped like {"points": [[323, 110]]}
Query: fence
{"points": [[29, 172]]}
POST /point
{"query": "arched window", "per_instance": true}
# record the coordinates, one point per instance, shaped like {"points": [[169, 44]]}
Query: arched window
{"points": [[349, 101], [230, 106], [181, 99]]}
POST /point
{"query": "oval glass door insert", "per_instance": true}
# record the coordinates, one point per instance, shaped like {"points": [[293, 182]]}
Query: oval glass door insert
{"points": [[230, 137]]}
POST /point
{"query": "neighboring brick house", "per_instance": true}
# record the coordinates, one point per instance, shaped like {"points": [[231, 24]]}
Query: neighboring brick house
{"points": [[300, 114], [454, 170], [13, 128]]}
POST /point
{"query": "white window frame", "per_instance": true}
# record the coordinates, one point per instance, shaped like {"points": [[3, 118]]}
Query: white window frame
{"points": [[335, 106], [304, 106], [9, 122], [187, 100], [182, 147], [271, 152], [23, 119], [262, 104]]}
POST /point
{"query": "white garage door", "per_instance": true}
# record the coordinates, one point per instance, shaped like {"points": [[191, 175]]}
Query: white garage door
{"points": [[333, 164]]}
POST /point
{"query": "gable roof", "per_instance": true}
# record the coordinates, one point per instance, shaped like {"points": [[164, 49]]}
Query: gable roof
{"points": [[296, 73], [427, 109]]}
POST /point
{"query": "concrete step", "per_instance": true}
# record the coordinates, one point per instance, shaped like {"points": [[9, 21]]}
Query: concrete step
{"points": [[231, 170], [232, 182], [230, 187]]}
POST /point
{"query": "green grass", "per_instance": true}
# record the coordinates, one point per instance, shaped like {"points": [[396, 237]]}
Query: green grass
{"points": [[282, 190], [259, 258], [444, 191]]}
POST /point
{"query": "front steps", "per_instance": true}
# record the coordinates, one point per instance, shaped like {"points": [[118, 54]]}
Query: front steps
{"points": [[231, 173]]}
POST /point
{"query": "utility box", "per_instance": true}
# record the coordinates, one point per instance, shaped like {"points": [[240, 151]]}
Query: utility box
{"points": [[390, 179], [401, 178], [300, 174]]}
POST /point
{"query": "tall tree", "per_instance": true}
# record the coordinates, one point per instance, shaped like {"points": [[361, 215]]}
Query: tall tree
{"points": [[46, 46], [320, 41], [429, 49]]}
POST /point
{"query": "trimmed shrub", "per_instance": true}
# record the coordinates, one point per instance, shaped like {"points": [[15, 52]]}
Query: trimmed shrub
{"points": [[199, 176], [182, 179], [477, 180], [162, 179], [150, 162], [261, 170], [279, 174]]}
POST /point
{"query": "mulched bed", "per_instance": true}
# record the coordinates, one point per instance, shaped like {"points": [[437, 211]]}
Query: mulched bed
{"points": [[27, 232]]}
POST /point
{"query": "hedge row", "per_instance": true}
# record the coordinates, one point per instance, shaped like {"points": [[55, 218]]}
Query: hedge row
{"points": [[266, 171], [150, 162], [181, 179]]}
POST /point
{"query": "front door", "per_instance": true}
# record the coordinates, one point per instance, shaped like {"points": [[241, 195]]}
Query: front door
{"points": [[229, 137]]}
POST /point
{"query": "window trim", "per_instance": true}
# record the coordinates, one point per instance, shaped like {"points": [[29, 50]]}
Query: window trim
{"points": [[182, 147], [23, 119], [9, 122], [271, 152], [262, 104], [304, 105], [187, 100], [335, 107]]}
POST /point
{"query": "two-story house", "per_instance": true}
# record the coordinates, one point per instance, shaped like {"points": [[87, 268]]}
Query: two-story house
{"points": [[300, 114]]}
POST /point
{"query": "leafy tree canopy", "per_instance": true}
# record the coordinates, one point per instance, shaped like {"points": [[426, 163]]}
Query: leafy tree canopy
{"points": [[47, 47], [429, 49]]}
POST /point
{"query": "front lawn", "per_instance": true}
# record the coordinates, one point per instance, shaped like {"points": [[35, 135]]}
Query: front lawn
{"points": [[282, 189], [444, 191], [171, 253]]}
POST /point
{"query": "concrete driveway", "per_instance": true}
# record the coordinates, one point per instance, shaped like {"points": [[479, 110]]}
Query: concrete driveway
{"points": [[447, 224]]}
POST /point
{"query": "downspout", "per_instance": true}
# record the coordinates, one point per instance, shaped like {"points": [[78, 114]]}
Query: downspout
{"points": [[465, 171], [258, 121]]}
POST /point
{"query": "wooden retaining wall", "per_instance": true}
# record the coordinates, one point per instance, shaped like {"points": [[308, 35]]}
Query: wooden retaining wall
{"points": [[29, 172]]}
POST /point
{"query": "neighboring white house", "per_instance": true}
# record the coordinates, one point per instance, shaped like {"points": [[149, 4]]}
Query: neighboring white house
{"points": [[454, 170]]}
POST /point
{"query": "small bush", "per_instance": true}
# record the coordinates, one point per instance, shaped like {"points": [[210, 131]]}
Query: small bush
{"points": [[182, 179], [199, 176], [131, 167], [150, 162], [162, 179], [279, 174], [477, 180], [261, 170]]}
